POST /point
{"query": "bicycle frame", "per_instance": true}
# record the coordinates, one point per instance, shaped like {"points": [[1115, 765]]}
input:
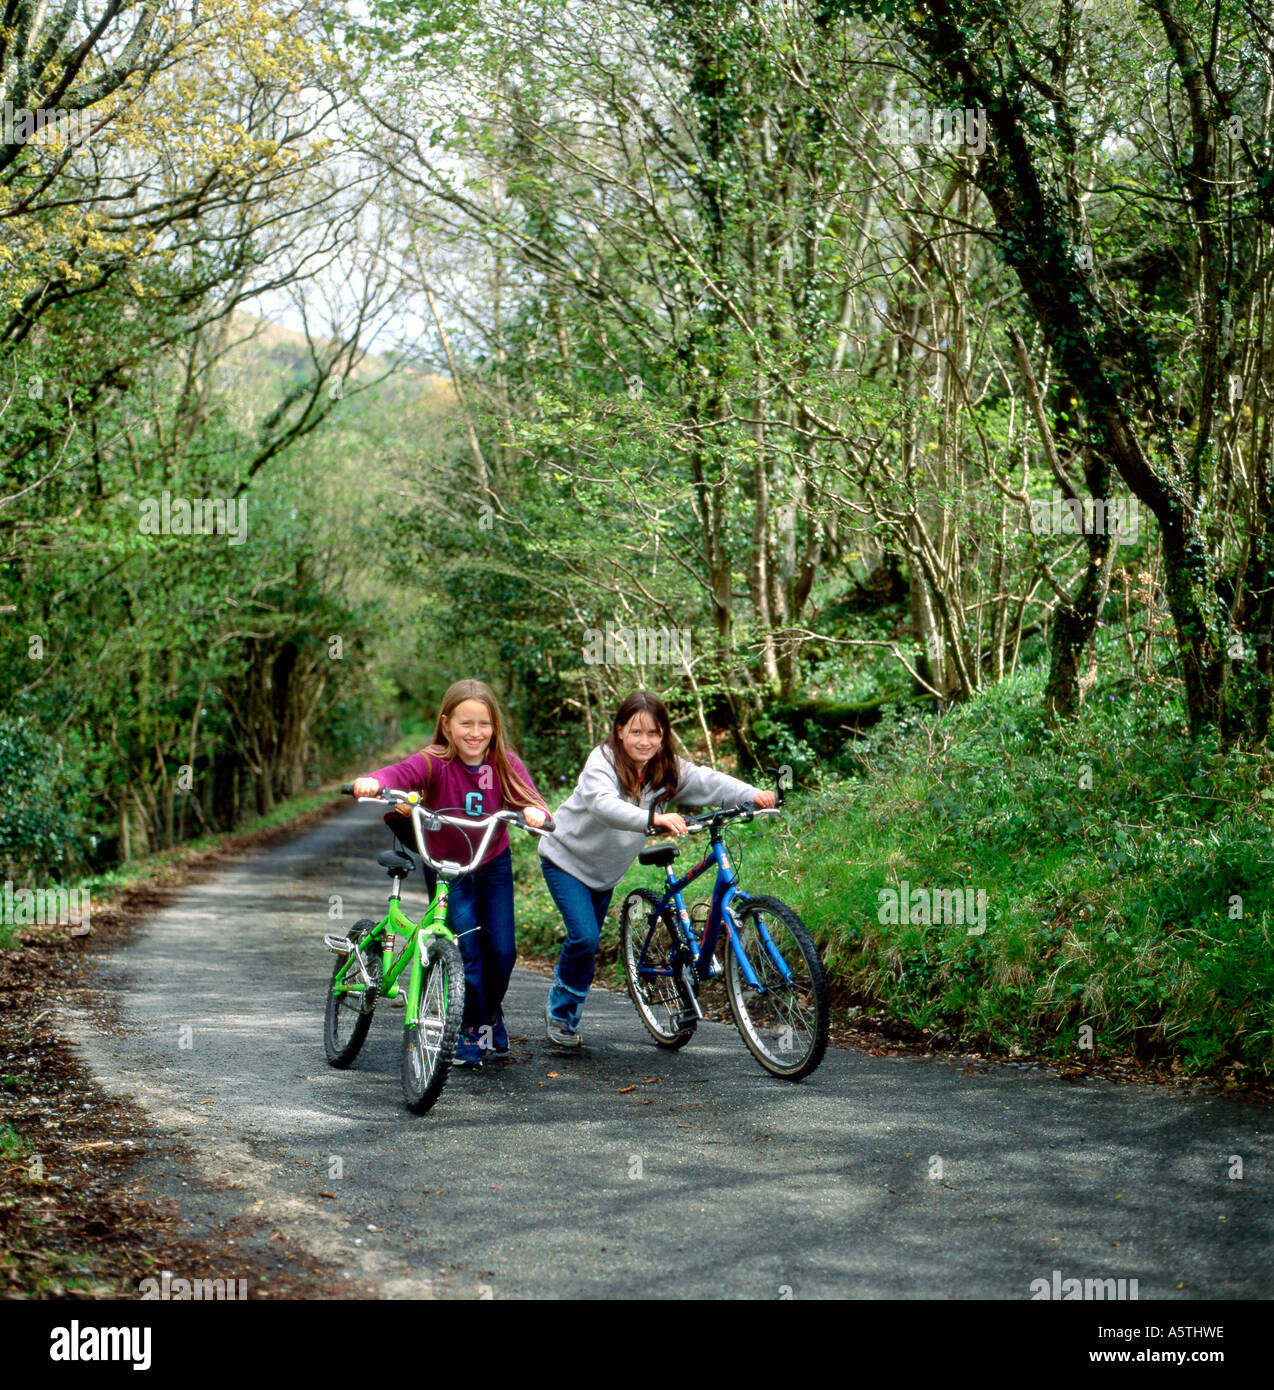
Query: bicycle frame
{"points": [[396, 921], [725, 890], [433, 923]]}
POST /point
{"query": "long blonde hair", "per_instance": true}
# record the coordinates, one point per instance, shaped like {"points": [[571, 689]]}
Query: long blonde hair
{"points": [[515, 791]]}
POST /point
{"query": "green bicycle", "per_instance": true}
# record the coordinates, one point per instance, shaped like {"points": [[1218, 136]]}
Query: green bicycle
{"points": [[368, 967]]}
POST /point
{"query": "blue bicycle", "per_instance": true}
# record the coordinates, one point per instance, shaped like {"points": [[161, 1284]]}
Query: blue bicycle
{"points": [[774, 979]]}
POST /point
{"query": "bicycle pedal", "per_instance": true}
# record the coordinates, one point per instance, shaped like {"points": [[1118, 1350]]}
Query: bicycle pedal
{"points": [[694, 1011], [339, 944], [685, 1019]]}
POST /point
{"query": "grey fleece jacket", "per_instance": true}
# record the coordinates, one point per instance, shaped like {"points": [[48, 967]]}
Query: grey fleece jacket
{"points": [[600, 831]]}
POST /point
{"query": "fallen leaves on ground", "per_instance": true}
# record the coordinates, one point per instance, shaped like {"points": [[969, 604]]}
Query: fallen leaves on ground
{"points": [[76, 1221]]}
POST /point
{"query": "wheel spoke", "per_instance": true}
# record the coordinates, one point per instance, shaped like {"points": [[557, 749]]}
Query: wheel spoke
{"points": [[428, 1045], [349, 1010], [657, 997], [782, 1017], [430, 1025]]}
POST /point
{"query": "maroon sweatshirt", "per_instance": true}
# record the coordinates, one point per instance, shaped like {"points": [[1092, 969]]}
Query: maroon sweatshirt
{"points": [[448, 784]]}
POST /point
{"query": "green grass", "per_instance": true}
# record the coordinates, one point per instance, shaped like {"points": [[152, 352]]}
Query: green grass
{"points": [[1116, 856], [12, 1144], [105, 885], [110, 881]]}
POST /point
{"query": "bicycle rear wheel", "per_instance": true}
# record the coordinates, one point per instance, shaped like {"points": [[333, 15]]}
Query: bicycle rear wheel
{"points": [[430, 1043], [348, 1015], [660, 999], [785, 1022]]}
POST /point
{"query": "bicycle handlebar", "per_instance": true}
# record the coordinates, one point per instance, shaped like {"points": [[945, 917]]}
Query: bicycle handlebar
{"points": [[710, 820], [713, 819], [435, 820]]}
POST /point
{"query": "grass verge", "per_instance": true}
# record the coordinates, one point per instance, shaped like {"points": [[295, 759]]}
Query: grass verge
{"points": [[1125, 871]]}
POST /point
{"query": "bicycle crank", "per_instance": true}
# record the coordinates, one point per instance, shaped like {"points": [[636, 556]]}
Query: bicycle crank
{"points": [[688, 979]]}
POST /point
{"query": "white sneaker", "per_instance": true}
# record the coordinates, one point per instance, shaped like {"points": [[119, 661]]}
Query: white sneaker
{"points": [[557, 1032]]}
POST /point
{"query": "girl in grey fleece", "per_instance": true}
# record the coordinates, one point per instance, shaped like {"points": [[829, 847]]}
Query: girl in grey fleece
{"points": [[600, 830]]}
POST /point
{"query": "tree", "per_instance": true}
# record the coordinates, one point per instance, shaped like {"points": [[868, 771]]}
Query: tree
{"points": [[1155, 397]]}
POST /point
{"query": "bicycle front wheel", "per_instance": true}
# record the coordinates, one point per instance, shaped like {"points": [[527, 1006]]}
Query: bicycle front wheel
{"points": [[659, 998], [348, 1015], [784, 1022], [430, 1043]]}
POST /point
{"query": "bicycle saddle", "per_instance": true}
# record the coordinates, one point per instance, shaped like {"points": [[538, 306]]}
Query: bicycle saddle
{"points": [[658, 854], [395, 861]]}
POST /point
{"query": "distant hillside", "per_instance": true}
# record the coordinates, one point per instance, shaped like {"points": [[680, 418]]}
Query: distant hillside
{"points": [[266, 350]]}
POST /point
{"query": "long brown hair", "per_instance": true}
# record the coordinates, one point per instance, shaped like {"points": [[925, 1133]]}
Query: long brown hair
{"points": [[661, 771], [514, 790]]}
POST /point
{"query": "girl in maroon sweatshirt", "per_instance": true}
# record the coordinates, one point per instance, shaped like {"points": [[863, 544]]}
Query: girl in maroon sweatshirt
{"points": [[469, 769]]}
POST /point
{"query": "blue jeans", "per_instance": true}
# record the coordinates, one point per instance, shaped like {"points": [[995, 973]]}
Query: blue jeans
{"points": [[583, 910], [483, 900]]}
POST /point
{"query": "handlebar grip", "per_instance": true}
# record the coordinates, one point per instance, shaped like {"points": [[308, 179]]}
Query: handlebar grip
{"points": [[549, 825], [347, 789]]}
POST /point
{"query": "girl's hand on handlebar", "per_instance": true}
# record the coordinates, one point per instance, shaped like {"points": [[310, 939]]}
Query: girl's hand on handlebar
{"points": [[765, 800], [535, 816], [369, 786], [672, 823]]}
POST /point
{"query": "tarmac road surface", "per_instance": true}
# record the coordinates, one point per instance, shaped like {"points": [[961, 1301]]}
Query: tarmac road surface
{"points": [[545, 1176]]}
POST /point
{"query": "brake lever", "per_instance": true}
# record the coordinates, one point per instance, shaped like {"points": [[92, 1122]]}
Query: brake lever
{"points": [[519, 818]]}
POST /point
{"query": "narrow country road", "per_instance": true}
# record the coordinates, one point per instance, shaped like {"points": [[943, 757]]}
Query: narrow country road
{"points": [[543, 1176]]}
